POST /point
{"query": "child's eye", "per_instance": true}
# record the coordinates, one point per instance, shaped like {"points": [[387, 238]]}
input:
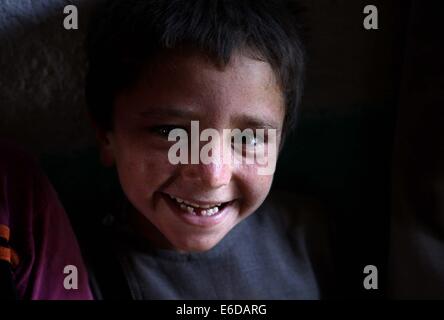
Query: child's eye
{"points": [[250, 140], [254, 140], [165, 130], [248, 143]]}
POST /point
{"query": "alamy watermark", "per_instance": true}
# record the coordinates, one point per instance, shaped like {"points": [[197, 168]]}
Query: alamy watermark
{"points": [[71, 20], [235, 146], [71, 281]]}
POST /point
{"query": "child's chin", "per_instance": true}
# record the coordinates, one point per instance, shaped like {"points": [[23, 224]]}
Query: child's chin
{"points": [[197, 245]]}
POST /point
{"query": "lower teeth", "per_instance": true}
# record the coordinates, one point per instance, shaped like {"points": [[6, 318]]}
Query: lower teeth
{"points": [[191, 210]]}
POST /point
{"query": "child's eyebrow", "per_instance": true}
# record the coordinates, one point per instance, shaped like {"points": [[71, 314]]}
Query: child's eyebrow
{"points": [[170, 112], [246, 121], [255, 122]]}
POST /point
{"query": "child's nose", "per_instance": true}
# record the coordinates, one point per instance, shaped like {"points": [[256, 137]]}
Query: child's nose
{"points": [[213, 175]]}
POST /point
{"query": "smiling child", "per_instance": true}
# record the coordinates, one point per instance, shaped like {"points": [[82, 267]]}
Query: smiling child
{"points": [[201, 230]]}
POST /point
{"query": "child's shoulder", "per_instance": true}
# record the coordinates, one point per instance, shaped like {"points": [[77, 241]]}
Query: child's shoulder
{"points": [[302, 220], [306, 223]]}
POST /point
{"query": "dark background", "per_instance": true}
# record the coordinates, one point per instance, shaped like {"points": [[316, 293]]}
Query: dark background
{"points": [[349, 151], [351, 70]]}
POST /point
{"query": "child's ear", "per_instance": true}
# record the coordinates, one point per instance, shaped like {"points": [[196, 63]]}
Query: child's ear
{"points": [[104, 141], [104, 138]]}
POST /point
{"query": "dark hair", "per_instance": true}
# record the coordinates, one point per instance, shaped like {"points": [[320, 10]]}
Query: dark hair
{"points": [[125, 34]]}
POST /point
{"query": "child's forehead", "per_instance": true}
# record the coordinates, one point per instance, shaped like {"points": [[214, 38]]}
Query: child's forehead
{"points": [[175, 69], [245, 86]]}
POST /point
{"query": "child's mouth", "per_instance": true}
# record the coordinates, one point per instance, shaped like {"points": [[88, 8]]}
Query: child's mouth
{"points": [[200, 213], [204, 210]]}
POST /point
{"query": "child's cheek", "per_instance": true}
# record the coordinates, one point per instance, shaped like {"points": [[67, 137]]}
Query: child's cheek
{"points": [[142, 168], [254, 187]]}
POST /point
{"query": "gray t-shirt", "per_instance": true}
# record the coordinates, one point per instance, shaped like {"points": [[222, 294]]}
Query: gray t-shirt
{"points": [[270, 255]]}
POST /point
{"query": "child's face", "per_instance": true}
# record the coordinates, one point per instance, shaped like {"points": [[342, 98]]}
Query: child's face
{"points": [[172, 93]]}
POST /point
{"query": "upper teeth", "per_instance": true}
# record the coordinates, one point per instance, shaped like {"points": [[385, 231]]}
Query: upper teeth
{"points": [[190, 206], [205, 206]]}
